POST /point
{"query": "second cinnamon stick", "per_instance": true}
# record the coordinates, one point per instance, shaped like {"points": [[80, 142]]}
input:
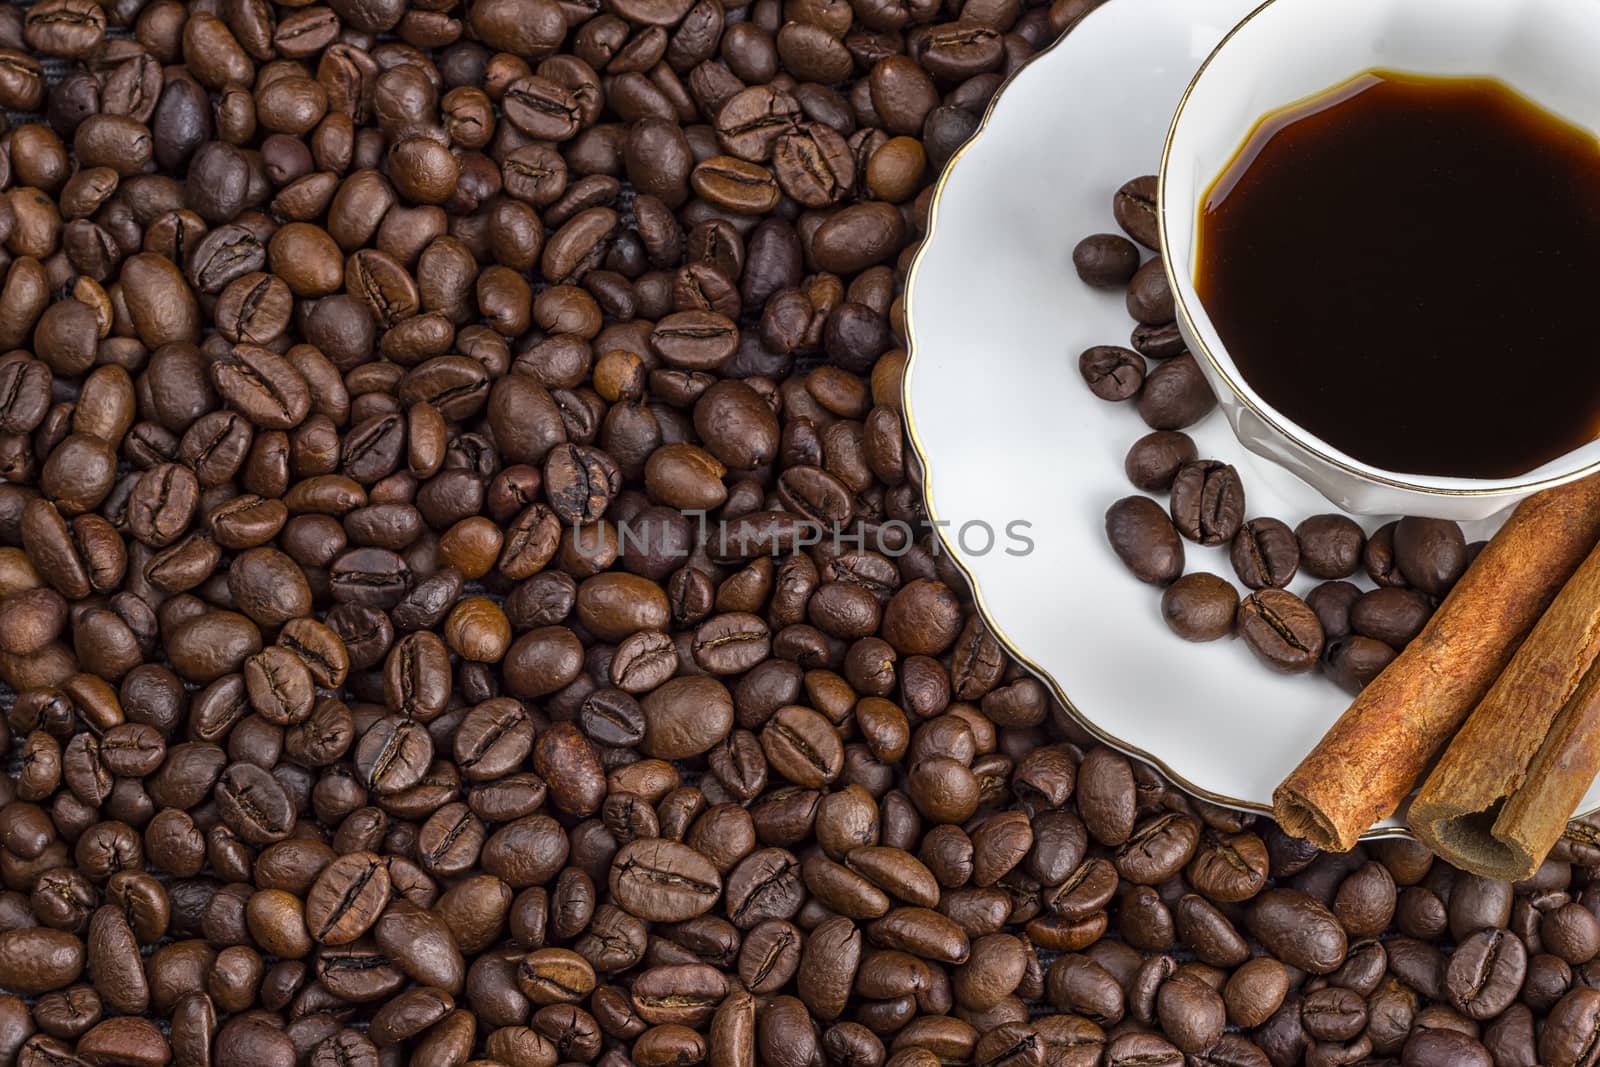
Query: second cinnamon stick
{"points": [[1525, 720]]}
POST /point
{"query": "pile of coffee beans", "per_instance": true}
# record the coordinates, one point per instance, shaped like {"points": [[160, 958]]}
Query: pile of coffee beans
{"points": [[1350, 633], [416, 422]]}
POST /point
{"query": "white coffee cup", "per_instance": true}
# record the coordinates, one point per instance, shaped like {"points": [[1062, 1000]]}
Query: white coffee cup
{"points": [[1289, 50]]}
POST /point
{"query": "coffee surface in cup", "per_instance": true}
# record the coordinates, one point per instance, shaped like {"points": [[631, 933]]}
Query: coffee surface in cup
{"points": [[1404, 266]]}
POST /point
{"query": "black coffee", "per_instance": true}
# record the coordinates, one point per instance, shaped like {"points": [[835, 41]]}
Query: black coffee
{"points": [[1404, 266]]}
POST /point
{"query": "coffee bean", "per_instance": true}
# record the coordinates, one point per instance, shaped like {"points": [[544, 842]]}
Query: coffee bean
{"points": [[1207, 501], [1486, 973], [1105, 260], [1353, 661], [1175, 395], [1145, 540], [1431, 553], [1255, 991], [1573, 1022], [1332, 602], [1078, 984], [254, 804], [858, 237], [1112, 373], [1379, 560], [1134, 207], [1200, 607], [1265, 553], [1330, 546], [1298, 930], [685, 717], [801, 746], [1428, 1047], [1149, 297], [1157, 342], [1154, 460], [1157, 848], [393, 754], [1333, 1014], [664, 881], [1393, 616], [1281, 630], [1191, 1012], [36, 959]]}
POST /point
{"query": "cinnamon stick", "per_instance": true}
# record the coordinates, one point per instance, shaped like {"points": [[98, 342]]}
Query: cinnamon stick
{"points": [[1537, 814], [1369, 760], [1498, 798]]}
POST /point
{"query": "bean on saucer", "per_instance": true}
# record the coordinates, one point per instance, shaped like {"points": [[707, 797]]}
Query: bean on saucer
{"points": [[1332, 602], [1176, 395], [1149, 298], [1105, 260], [1134, 207], [1353, 661], [1281, 630], [1330, 545], [1200, 606], [1112, 373], [1379, 559], [1207, 501], [1144, 538], [1265, 553], [1154, 459], [1431, 553], [1393, 616]]}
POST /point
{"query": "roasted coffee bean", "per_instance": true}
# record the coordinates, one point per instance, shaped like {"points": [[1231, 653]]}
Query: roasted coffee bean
{"points": [[1281, 630], [254, 804], [1112, 373], [731, 643], [1485, 973], [1332, 602], [664, 881], [1393, 616], [1229, 868], [1207, 501], [1191, 1012], [1296, 928], [1255, 991], [1134, 207], [1330, 546], [1572, 1024], [1426, 1047], [1378, 557], [1154, 460], [1078, 984], [1105, 260], [801, 745], [1149, 298], [1157, 849], [393, 755], [1200, 607], [1353, 661], [36, 959], [1333, 1014], [1265, 553], [347, 898], [1175, 395], [1145, 540], [1431, 553]]}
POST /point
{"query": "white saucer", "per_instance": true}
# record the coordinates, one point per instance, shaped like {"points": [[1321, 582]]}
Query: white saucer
{"points": [[1007, 431]]}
